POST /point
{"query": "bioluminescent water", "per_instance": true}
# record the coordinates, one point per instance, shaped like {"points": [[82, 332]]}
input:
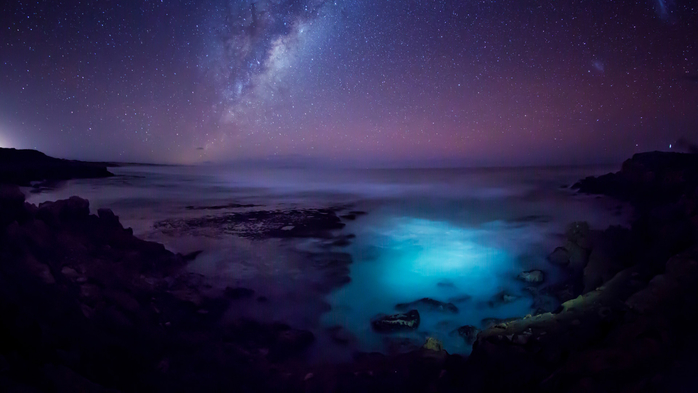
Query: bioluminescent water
{"points": [[405, 259], [451, 235]]}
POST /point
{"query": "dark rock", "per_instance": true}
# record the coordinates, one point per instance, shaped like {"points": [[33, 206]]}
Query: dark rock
{"points": [[21, 167], [433, 344], [487, 323], [503, 297], [238, 293], [261, 224], [108, 217], [220, 207], [11, 204], [396, 322], [532, 276], [289, 342], [579, 234], [192, 255], [560, 256], [469, 333], [71, 209], [428, 304], [646, 179]]}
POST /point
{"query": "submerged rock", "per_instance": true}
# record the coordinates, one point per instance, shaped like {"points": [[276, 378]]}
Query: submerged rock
{"points": [[503, 297], [396, 322], [532, 276], [469, 333], [428, 304]]}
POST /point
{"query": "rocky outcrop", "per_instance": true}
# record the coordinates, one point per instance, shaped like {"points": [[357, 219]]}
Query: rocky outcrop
{"points": [[428, 304], [86, 305], [260, 224], [396, 322], [628, 296], [651, 178], [469, 333], [21, 167]]}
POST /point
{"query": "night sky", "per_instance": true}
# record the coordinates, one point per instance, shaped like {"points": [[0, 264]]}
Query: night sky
{"points": [[418, 82]]}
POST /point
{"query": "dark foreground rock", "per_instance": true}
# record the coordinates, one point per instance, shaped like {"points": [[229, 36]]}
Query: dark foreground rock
{"points": [[396, 322], [86, 306], [21, 167]]}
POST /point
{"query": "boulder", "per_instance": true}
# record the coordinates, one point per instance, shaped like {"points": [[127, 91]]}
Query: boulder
{"points": [[64, 210], [532, 276], [469, 333], [428, 304], [108, 217], [433, 344], [396, 322]]}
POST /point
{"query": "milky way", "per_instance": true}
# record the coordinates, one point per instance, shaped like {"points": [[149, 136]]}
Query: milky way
{"points": [[349, 82]]}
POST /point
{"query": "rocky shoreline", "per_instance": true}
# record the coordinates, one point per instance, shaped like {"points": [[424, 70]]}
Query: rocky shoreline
{"points": [[88, 306], [22, 167]]}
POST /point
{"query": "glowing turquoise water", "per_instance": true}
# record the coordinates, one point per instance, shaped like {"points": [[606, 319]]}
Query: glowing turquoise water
{"points": [[405, 259]]}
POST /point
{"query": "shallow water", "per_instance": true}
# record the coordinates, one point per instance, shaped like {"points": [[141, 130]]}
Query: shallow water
{"points": [[451, 235]]}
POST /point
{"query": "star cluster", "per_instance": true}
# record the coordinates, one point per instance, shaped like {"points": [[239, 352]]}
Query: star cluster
{"points": [[418, 82]]}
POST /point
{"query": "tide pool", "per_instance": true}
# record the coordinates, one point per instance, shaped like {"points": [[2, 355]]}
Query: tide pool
{"points": [[405, 259]]}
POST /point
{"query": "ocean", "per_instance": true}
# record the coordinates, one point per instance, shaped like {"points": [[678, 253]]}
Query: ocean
{"points": [[454, 235]]}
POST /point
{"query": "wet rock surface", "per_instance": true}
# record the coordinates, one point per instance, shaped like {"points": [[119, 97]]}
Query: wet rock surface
{"points": [[396, 322], [260, 224]]}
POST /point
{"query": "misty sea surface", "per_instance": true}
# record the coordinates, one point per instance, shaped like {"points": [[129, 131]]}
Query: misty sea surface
{"points": [[453, 235]]}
